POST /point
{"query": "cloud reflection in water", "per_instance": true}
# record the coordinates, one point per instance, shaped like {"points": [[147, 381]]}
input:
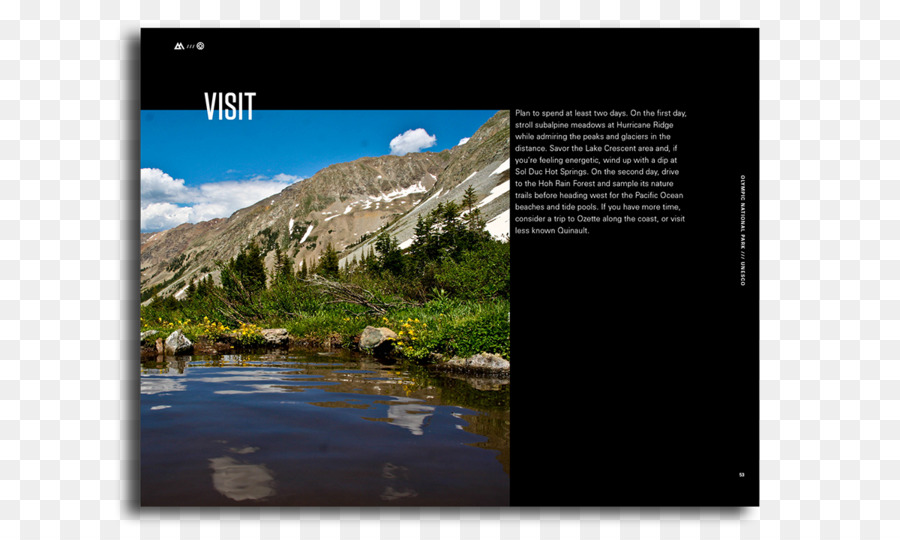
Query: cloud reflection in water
{"points": [[410, 414], [241, 481]]}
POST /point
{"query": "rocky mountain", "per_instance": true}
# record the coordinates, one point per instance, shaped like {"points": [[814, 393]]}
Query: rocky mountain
{"points": [[346, 205]]}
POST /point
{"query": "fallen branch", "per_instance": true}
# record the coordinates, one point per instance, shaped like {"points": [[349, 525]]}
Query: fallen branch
{"points": [[226, 308], [354, 294]]}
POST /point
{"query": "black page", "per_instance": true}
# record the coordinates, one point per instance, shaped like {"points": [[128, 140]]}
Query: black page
{"points": [[636, 348]]}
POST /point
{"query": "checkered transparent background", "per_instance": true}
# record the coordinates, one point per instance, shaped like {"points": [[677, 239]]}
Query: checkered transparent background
{"points": [[830, 267]]}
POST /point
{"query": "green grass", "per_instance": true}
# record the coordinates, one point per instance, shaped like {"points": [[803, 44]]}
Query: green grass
{"points": [[447, 301], [449, 328]]}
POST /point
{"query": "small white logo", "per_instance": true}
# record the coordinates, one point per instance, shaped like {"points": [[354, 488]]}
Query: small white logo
{"points": [[200, 45], [179, 46]]}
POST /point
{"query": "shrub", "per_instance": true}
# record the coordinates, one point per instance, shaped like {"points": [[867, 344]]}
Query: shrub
{"points": [[479, 275], [466, 329], [486, 331]]}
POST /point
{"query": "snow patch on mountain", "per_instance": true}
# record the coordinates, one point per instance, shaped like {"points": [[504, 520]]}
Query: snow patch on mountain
{"points": [[503, 167], [418, 187], [499, 226], [496, 192], [306, 235]]}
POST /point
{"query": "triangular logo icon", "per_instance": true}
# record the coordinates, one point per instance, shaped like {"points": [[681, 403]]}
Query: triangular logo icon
{"points": [[179, 46]]}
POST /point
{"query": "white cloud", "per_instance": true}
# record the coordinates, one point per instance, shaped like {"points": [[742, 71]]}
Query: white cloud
{"points": [[159, 216], [157, 186], [413, 140], [286, 178], [167, 202]]}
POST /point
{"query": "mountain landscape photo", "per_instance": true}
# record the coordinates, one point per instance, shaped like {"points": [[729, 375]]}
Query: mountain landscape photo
{"points": [[344, 206], [323, 295]]}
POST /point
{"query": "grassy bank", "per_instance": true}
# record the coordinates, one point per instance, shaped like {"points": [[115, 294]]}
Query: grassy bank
{"points": [[448, 293], [461, 330]]}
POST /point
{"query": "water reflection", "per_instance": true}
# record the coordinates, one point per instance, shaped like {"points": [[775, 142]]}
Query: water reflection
{"points": [[332, 441], [396, 474], [241, 481], [160, 385], [409, 414]]}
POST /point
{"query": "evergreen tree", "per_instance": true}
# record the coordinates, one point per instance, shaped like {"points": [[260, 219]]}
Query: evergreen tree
{"points": [[244, 277], [205, 287], [302, 273], [473, 219], [370, 263], [469, 199], [252, 269], [329, 263], [425, 247], [448, 231], [390, 257], [191, 291], [283, 270], [452, 231]]}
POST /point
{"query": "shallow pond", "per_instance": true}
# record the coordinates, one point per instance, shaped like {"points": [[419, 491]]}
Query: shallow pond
{"points": [[319, 429]]}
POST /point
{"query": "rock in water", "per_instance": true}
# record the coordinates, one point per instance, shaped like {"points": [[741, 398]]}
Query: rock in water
{"points": [[277, 337], [177, 344], [480, 362], [376, 338]]}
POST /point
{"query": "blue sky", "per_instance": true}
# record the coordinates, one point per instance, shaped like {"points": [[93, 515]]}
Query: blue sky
{"points": [[194, 169]]}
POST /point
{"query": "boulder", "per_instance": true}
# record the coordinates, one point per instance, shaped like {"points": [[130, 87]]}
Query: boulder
{"points": [[376, 338], [479, 362], [277, 337], [177, 344]]}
